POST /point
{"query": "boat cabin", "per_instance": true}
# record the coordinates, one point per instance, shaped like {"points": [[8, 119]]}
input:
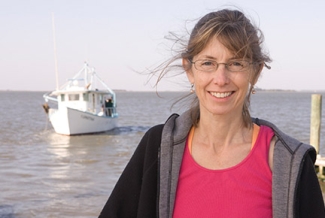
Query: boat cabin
{"points": [[95, 102]]}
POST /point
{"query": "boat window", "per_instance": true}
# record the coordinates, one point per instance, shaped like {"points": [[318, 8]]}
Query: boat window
{"points": [[62, 97], [85, 97], [74, 97]]}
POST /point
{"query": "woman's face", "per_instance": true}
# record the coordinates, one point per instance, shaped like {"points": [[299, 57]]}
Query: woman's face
{"points": [[220, 92]]}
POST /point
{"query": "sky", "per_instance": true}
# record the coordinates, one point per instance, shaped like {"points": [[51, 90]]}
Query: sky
{"points": [[122, 38]]}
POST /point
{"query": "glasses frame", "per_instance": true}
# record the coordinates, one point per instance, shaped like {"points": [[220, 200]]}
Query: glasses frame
{"points": [[226, 65]]}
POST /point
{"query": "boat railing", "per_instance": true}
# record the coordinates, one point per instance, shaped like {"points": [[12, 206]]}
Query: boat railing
{"points": [[47, 98], [110, 111]]}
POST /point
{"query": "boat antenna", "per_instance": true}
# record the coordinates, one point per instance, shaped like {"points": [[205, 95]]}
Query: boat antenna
{"points": [[55, 55]]}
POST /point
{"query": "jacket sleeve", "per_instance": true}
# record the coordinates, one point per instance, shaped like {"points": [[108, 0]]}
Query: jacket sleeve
{"points": [[135, 193], [310, 199]]}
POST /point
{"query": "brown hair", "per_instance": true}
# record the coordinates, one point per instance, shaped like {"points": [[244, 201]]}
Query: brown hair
{"points": [[237, 34]]}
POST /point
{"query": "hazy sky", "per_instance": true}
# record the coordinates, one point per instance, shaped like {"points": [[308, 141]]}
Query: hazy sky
{"points": [[118, 36]]}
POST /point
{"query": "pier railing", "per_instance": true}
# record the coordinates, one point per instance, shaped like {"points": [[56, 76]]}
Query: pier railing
{"points": [[315, 129]]}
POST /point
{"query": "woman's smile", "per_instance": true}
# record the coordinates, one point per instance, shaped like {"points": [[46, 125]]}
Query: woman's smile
{"points": [[221, 94]]}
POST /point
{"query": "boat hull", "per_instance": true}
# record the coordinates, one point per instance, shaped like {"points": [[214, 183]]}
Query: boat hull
{"points": [[69, 121]]}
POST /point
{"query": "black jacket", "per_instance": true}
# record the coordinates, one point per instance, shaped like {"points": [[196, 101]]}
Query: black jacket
{"points": [[144, 191]]}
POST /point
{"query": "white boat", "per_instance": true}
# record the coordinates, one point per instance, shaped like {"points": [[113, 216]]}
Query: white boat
{"points": [[85, 104]]}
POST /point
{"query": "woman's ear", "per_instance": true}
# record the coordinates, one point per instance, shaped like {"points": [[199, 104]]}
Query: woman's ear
{"points": [[257, 75], [187, 66]]}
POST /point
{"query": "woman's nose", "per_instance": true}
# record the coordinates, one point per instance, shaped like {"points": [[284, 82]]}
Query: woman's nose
{"points": [[221, 75]]}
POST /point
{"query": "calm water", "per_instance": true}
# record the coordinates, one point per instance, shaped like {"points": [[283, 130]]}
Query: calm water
{"points": [[44, 174]]}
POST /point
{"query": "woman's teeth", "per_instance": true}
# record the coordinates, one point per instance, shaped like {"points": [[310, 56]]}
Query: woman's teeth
{"points": [[220, 94]]}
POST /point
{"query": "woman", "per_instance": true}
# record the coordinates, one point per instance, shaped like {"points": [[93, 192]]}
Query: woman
{"points": [[215, 160]]}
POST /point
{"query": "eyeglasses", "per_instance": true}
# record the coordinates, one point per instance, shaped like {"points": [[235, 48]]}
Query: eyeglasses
{"points": [[210, 66]]}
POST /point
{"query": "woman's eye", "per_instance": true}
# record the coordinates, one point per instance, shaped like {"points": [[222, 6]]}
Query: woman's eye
{"points": [[207, 63], [235, 64]]}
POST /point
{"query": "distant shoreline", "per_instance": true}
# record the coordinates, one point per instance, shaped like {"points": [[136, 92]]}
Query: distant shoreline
{"points": [[275, 90], [124, 90]]}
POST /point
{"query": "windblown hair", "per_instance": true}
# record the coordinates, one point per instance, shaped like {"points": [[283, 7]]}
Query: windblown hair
{"points": [[237, 34]]}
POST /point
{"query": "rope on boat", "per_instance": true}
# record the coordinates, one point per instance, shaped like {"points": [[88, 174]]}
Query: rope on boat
{"points": [[46, 108]]}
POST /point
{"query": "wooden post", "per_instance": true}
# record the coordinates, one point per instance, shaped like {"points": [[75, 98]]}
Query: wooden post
{"points": [[315, 120]]}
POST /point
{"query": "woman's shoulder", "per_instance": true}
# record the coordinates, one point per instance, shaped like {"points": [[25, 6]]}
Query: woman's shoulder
{"points": [[285, 143], [155, 129], [158, 128], [153, 133]]}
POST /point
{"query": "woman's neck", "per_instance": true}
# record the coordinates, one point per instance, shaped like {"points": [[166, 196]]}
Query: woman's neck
{"points": [[221, 142], [222, 130]]}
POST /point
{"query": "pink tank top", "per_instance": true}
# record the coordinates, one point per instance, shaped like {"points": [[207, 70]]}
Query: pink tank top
{"points": [[244, 190]]}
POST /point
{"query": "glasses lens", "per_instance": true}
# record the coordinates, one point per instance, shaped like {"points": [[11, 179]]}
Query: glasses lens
{"points": [[237, 65], [206, 65]]}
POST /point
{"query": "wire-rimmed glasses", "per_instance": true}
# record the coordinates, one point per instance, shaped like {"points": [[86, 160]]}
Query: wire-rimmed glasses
{"points": [[210, 65]]}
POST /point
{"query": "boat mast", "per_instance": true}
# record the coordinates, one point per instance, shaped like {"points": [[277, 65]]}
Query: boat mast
{"points": [[86, 73], [55, 54]]}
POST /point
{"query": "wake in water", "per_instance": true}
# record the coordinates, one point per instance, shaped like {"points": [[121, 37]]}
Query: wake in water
{"points": [[6, 211], [122, 130]]}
